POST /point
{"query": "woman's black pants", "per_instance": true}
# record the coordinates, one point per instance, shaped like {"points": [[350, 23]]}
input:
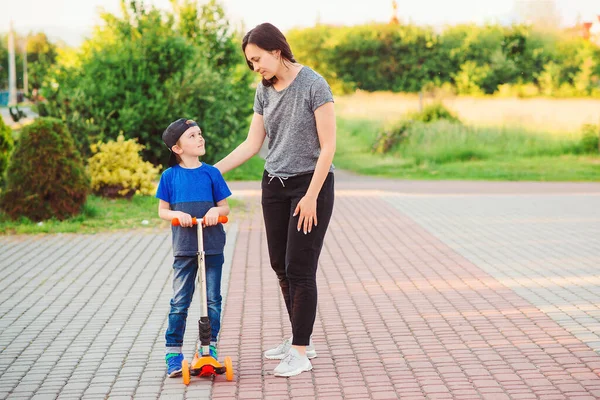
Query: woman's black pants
{"points": [[294, 255]]}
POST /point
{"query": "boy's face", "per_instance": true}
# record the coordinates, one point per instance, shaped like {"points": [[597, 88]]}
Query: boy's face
{"points": [[191, 143]]}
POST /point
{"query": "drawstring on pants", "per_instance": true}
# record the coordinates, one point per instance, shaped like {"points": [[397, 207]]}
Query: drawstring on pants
{"points": [[281, 179]]}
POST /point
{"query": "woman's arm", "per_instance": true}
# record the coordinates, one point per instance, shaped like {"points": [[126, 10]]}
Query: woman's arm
{"points": [[326, 130], [248, 148]]}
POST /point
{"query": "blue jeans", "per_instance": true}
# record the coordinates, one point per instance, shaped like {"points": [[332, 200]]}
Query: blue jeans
{"points": [[185, 271]]}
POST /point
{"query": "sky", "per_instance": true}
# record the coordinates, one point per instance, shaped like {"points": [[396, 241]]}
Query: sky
{"points": [[72, 20]]}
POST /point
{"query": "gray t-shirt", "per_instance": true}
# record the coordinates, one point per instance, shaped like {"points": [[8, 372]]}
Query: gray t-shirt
{"points": [[289, 119]]}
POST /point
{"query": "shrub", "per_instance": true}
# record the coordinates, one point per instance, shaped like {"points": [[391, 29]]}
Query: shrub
{"points": [[6, 146], [434, 112], [520, 90], [396, 132], [470, 78], [45, 176], [391, 136], [117, 169], [590, 138]]}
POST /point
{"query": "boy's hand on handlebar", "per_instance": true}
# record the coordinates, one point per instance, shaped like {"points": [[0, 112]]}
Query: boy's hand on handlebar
{"points": [[212, 217], [185, 220]]}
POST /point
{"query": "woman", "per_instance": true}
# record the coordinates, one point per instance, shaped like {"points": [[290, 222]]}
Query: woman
{"points": [[293, 106]]}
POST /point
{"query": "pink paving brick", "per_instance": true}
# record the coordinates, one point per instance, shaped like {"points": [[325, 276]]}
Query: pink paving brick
{"points": [[400, 314]]}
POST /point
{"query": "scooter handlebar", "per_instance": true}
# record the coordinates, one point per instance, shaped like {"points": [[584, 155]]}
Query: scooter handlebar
{"points": [[222, 220]]}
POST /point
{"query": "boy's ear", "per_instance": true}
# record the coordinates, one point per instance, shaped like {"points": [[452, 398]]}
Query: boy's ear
{"points": [[176, 149]]}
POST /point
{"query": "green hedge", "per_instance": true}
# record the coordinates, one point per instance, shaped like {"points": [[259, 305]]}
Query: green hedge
{"points": [[474, 59]]}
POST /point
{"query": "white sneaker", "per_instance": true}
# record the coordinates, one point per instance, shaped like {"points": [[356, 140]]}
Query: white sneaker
{"points": [[292, 364], [279, 352]]}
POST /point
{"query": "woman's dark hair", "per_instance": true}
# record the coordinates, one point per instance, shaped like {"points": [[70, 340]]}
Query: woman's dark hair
{"points": [[268, 37]]}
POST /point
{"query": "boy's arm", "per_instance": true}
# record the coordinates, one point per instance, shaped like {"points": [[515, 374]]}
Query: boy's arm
{"points": [[212, 216], [165, 212]]}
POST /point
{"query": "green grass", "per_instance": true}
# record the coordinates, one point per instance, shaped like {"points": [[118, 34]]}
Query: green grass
{"points": [[141, 212], [442, 142], [448, 151], [100, 214], [251, 170]]}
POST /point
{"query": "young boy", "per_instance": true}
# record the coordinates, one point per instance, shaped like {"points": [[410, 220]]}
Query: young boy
{"points": [[190, 188]]}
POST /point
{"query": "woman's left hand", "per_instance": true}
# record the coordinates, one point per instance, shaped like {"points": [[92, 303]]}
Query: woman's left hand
{"points": [[307, 208]]}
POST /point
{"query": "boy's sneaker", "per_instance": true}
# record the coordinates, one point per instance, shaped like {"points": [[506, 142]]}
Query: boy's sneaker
{"points": [[293, 364], [213, 351], [174, 361], [279, 352]]}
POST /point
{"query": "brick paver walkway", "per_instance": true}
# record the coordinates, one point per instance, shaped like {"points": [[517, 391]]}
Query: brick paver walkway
{"points": [[471, 290]]}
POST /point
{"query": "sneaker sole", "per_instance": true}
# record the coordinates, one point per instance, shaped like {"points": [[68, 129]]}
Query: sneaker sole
{"points": [[175, 374], [277, 357], [293, 373], [309, 354]]}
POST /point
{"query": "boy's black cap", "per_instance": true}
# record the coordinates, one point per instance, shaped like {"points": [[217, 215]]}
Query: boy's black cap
{"points": [[172, 134]]}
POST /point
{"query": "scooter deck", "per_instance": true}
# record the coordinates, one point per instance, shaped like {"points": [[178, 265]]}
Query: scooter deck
{"points": [[205, 366]]}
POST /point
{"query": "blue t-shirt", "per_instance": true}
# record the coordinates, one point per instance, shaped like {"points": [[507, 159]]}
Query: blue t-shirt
{"points": [[194, 191]]}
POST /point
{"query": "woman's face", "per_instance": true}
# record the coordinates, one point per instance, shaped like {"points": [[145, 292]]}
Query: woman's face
{"points": [[264, 62]]}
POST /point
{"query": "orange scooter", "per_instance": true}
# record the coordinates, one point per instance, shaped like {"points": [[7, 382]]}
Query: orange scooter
{"points": [[203, 363]]}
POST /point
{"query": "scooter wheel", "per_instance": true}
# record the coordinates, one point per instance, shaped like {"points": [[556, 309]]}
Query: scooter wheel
{"points": [[185, 372], [228, 369]]}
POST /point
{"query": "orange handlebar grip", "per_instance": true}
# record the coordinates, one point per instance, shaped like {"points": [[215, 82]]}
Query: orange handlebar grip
{"points": [[222, 220]]}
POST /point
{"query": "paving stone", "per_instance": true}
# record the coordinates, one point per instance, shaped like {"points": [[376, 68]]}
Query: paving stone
{"points": [[469, 290]]}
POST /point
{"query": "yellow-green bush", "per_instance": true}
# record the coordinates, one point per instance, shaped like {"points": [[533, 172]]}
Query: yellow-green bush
{"points": [[520, 90], [118, 170], [470, 78]]}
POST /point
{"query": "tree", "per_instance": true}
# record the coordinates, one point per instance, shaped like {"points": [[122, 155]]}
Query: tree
{"points": [[41, 54], [144, 69]]}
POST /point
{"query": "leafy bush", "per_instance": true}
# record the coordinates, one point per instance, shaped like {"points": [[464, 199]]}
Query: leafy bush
{"points": [[523, 91], [395, 133], [590, 138], [45, 176], [6, 146], [470, 78], [144, 69], [434, 112], [117, 169], [391, 135], [386, 57], [312, 46]]}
